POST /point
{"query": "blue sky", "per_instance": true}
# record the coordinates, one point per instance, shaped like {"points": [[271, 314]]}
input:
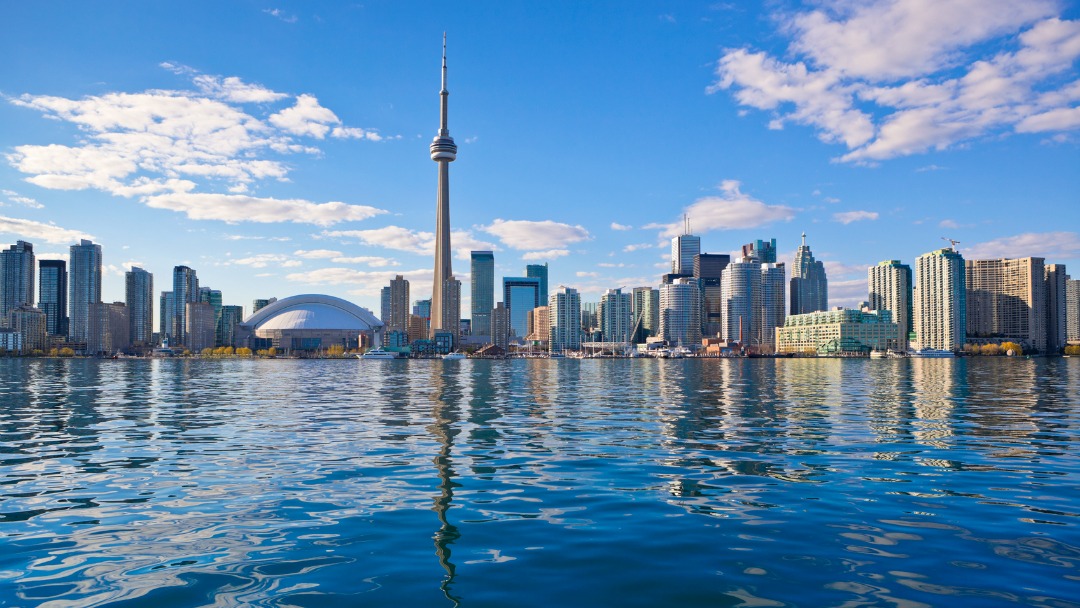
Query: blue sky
{"points": [[282, 147]]}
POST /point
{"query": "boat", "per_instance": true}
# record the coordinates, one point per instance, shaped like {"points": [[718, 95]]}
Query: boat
{"points": [[878, 354], [377, 353], [932, 353], [453, 356]]}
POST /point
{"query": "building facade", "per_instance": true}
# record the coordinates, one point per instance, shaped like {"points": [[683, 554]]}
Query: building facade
{"points": [[683, 249], [482, 285], [397, 315], [1072, 310], [500, 326], [110, 329], [451, 309], [809, 284], [760, 250], [753, 303], [84, 287], [520, 295], [646, 313], [1006, 301], [680, 313], [540, 273], [52, 296], [185, 291], [139, 297], [890, 285], [16, 278], [840, 332], [564, 317], [940, 297], [231, 318], [201, 325], [1056, 312], [615, 316], [30, 324]]}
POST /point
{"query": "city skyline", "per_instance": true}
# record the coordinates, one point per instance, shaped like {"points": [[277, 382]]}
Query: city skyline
{"points": [[302, 170]]}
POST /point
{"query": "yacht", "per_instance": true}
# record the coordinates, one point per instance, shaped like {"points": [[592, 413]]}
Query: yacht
{"points": [[453, 356], [932, 353], [377, 353]]}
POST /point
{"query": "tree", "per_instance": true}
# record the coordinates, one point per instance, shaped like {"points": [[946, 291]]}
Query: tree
{"points": [[335, 350], [1013, 346], [67, 352], [1072, 350]]}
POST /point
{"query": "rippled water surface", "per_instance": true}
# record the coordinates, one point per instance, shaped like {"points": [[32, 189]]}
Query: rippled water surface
{"points": [[540, 483]]}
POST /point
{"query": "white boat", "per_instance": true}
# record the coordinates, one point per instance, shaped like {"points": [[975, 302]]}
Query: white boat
{"points": [[877, 354], [932, 353], [453, 356], [378, 353]]}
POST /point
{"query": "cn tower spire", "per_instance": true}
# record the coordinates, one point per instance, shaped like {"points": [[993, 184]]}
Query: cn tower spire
{"points": [[443, 151]]}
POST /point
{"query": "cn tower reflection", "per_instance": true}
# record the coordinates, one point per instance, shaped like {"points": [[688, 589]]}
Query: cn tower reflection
{"points": [[446, 397]]}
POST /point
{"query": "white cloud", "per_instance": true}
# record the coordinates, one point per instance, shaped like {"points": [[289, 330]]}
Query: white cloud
{"points": [[234, 89], [1049, 245], [847, 217], [731, 210], [280, 14], [373, 261], [368, 282], [31, 231], [550, 254], [263, 260], [948, 224], [317, 254], [240, 208], [306, 118], [532, 235], [637, 247], [891, 78], [848, 293], [587, 274], [413, 241], [25, 201], [610, 265], [618, 226]]}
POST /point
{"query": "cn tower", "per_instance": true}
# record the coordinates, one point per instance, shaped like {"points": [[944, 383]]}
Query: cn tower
{"points": [[443, 151]]}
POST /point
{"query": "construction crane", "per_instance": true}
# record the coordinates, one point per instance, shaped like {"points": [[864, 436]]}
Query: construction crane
{"points": [[952, 243]]}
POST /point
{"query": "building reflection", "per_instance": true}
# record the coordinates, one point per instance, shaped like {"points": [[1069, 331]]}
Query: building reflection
{"points": [[447, 395]]}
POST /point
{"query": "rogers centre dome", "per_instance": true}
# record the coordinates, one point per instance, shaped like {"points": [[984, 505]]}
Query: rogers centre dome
{"points": [[309, 322]]}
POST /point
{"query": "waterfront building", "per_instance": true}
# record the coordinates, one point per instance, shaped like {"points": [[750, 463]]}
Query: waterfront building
{"points": [[139, 297], [890, 285], [646, 313], [683, 249], [231, 318], [753, 303], [1006, 301], [762, 251], [419, 328], [213, 298], [444, 152], [590, 320], [539, 325], [259, 304], [201, 326], [29, 322], [520, 295], [185, 291], [10, 341], [396, 308], [309, 322], [16, 278], [1056, 315], [110, 328], [451, 309], [680, 313], [422, 308], [166, 312], [384, 304], [500, 326], [482, 284], [564, 314], [52, 296], [615, 316], [840, 331], [809, 285], [1072, 310], [84, 287], [539, 272], [940, 297], [709, 272]]}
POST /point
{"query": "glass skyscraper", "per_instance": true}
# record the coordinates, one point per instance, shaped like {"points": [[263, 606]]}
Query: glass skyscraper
{"points": [[809, 285], [16, 278], [139, 297], [84, 287], [483, 292], [539, 271], [520, 295], [52, 295], [185, 291]]}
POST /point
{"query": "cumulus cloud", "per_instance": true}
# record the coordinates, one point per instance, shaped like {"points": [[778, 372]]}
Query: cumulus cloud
{"points": [[158, 145], [263, 260], [370, 260], [38, 231], [848, 293], [241, 208], [536, 235], [316, 254], [891, 78], [847, 217], [412, 241], [618, 226], [1049, 245], [550, 254], [732, 210], [366, 282], [637, 247], [17, 199]]}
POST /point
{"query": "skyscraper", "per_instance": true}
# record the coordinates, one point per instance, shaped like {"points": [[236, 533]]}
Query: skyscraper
{"points": [[940, 300], [709, 271], [52, 295], [520, 295], [139, 297], [752, 302], [185, 291], [398, 311], [166, 312], [451, 309], [1072, 309], [539, 271], [683, 249], [564, 317], [890, 289], [1006, 300], [680, 313], [809, 286], [443, 151], [483, 291], [84, 287], [16, 278], [763, 251], [615, 315], [231, 317], [646, 313], [1056, 316]]}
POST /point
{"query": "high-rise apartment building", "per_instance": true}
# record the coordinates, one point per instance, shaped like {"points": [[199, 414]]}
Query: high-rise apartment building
{"points": [[500, 326], [1072, 310], [483, 291], [213, 298], [646, 313], [260, 303], [809, 285], [110, 328], [762, 251], [709, 272], [52, 296], [16, 278], [520, 295], [185, 291], [201, 325], [753, 303], [29, 322], [683, 249], [231, 317], [1006, 301], [166, 312], [139, 297], [940, 300], [396, 305], [615, 316], [564, 316], [680, 313], [890, 285], [1056, 314], [539, 324], [451, 308], [539, 272], [84, 287]]}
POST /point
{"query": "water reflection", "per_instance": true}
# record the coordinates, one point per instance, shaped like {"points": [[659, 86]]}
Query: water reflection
{"points": [[447, 396]]}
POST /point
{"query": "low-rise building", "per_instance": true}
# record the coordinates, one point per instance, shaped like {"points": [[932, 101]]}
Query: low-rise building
{"points": [[840, 331]]}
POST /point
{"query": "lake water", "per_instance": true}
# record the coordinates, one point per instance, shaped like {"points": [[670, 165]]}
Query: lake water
{"points": [[540, 482]]}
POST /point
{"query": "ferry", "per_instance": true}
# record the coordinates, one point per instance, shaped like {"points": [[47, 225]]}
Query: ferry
{"points": [[377, 353], [453, 356], [932, 353]]}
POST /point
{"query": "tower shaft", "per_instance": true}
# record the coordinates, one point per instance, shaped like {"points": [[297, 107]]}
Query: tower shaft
{"points": [[443, 151]]}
